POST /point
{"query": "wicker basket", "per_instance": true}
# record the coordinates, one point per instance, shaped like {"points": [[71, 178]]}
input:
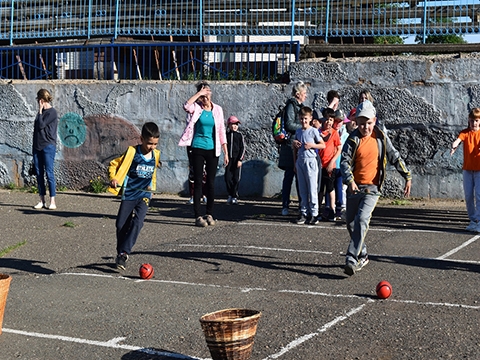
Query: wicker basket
{"points": [[4, 286], [230, 333]]}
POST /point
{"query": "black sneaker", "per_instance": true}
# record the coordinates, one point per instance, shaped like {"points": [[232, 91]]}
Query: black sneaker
{"points": [[314, 221], [121, 261], [301, 220], [331, 215]]}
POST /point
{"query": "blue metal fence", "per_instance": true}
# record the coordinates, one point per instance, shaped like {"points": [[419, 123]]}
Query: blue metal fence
{"points": [[157, 61], [33, 19]]}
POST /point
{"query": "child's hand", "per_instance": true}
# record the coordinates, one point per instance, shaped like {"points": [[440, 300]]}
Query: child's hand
{"points": [[352, 188], [297, 144], [113, 183], [239, 164]]}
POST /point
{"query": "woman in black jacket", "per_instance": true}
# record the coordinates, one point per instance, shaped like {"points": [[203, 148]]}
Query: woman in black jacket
{"points": [[291, 124]]}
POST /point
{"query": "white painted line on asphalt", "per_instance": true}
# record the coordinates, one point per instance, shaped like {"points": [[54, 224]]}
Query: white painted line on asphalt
{"points": [[343, 227], [256, 248], [110, 344], [436, 304], [465, 244], [304, 338], [300, 292]]}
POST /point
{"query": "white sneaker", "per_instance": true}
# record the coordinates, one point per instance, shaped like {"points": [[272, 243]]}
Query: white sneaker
{"points": [[472, 226], [229, 200], [40, 205], [234, 201], [285, 211]]}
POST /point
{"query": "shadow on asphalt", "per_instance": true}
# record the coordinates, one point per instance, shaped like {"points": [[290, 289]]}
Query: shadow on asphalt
{"points": [[31, 266], [267, 262], [420, 219], [427, 263], [154, 354]]}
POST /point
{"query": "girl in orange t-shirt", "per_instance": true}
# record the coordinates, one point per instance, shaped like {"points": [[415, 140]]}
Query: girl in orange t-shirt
{"points": [[471, 167]]}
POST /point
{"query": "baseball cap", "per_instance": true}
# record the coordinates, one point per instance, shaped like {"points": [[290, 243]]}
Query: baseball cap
{"points": [[339, 114], [352, 112], [366, 109], [233, 120]]}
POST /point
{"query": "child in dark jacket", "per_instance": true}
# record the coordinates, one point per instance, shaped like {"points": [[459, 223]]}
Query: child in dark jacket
{"points": [[236, 152]]}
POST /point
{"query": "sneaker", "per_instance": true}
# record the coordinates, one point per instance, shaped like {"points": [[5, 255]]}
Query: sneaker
{"points": [[472, 226], [351, 268], [40, 205], [301, 220], [234, 201], [52, 207], [314, 221], [229, 200], [121, 261], [200, 221], [477, 229], [210, 220], [190, 201], [285, 212]]}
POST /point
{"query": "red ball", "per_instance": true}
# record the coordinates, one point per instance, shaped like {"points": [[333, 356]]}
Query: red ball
{"points": [[384, 289], [146, 271]]}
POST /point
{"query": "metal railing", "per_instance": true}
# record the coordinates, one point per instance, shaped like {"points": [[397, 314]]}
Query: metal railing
{"points": [[34, 19], [150, 61]]}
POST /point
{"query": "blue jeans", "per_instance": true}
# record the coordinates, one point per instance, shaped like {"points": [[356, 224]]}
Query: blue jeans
{"points": [[130, 218], [471, 188], [43, 160], [339, 201]]}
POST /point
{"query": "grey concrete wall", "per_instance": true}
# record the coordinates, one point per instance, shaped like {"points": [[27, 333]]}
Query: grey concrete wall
{"points": [[422, 100]]}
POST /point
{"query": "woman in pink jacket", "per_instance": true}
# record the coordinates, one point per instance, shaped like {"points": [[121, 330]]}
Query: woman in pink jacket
{"points": [[206, 137]]}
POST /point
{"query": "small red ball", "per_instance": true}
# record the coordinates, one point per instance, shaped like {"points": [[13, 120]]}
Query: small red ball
{"points": [[384, 289], [146, 271]]}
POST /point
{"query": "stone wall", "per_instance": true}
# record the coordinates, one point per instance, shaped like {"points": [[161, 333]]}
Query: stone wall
{"points": [[423, 101]]}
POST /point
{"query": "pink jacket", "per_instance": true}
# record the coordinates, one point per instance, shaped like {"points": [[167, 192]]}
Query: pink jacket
{"points": [[194, 110]]}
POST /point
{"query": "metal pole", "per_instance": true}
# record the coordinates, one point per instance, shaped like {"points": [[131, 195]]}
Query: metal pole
{"points": [[327, 19], [201, 21], [424, 22], [89, 29], [117, 5], [11, 23], [293, 21]]}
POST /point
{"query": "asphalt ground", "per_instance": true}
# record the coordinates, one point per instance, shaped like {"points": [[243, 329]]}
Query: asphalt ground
{"points": [[67, 301]]}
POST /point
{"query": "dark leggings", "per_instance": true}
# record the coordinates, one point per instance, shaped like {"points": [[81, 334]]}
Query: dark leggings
{"points": [[201, 158]]}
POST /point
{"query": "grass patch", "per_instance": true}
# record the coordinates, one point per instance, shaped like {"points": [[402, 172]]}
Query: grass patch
{"points": [[69, 224], [401, 202], [11, 248], [97, 185]]}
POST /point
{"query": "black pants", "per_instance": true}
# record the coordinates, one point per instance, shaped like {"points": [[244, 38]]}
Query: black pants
{"points": [[232, 178], [201, 158], [130, 218]]}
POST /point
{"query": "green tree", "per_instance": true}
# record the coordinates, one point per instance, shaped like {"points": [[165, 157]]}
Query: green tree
{"points": [[441, 39], [387, 40]]}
